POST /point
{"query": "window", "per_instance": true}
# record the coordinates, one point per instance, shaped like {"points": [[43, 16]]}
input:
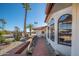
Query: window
{"points": [[52, 29], [65, 29], [48, 31]]}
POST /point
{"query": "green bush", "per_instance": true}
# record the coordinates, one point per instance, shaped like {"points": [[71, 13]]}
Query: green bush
{"points": [[2, 39], [17, 36], [14, 40], [7, 41], [2, 32], [17, 33]]}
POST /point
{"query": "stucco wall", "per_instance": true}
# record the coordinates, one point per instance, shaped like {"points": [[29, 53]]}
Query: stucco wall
{"points": [[75, 30], [66, 50]]}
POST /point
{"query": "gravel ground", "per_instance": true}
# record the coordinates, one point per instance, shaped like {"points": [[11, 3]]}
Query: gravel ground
{"points": [[9, 47]]}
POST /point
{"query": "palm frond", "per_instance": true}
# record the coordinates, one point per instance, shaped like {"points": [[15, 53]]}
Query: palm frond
{"points": [[26, 6], [30, 26]]}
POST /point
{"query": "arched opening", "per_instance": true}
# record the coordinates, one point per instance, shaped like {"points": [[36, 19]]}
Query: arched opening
{"points": [[65, 29]]}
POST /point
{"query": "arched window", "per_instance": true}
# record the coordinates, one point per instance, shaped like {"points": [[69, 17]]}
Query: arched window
{"points": [[65, 29]]}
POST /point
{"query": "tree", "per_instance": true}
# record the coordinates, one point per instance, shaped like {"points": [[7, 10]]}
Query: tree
{"points": [[26, 7], [2, 22], [30, 26]]}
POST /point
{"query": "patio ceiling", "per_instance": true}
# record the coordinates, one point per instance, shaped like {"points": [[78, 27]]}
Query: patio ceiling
{"points": [[48, 9]]}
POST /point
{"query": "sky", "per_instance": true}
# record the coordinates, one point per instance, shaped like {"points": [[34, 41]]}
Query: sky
{"points": [[14, 15]]}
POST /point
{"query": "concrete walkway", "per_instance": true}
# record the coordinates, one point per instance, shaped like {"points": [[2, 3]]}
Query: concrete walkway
{"points": [[10, 47], [42, 49]]}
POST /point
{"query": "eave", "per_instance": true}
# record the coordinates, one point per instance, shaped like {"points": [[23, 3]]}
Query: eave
{"points": [[48, 9]]}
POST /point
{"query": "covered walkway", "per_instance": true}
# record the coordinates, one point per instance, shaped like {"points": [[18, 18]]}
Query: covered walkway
{"points": [[42, 48]]}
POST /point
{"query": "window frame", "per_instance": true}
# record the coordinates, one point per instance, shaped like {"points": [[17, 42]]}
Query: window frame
{"points": [[48, 28], [59, 29], [52, 25]]}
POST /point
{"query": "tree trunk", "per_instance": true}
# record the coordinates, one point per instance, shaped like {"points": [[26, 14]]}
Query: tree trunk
{"points": [[25, 24]]}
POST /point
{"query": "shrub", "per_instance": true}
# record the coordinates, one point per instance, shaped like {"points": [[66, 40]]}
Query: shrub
{"points": [[2, 32], [14, 40], [17, 36], [2, 39], [7, 41]]}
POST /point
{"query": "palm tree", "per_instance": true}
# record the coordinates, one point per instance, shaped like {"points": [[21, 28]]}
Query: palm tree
{"points": [[3, 22], [26, 8], [30, 26]]}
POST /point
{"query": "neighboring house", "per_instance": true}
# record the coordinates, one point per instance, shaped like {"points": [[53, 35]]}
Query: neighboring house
{"points": [[40, 30], [62, 30]]}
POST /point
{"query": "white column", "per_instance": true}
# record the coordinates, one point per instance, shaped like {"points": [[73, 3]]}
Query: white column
{"points": [[75, 30]]}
